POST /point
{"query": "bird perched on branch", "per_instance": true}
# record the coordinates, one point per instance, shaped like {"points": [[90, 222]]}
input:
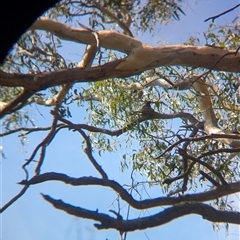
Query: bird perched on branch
{"points": [[146, 109], [146, 106]]}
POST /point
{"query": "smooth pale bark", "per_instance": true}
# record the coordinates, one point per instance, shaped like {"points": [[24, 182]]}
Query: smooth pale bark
{"points": [[205, 105], [107, 38], [144, 56], [204, 99], [140, 58], [86, 62]]}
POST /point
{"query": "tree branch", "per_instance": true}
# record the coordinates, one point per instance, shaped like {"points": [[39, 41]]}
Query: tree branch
{"points": [[18, 101], [29, 130], [162, 56], [219, 15], [209, 178], [108, 39], [88, 151], [143, 204], [205, 164], [210, 120], [167, 215], [184, 175], [195, 139], [14, 199], [118, 132]]}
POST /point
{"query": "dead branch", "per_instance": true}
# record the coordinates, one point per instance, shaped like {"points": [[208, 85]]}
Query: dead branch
{"points": [[203, 163], [28, 130], [212, 136], [88, 151], [143, 204], [219, 15], [167, 215]]}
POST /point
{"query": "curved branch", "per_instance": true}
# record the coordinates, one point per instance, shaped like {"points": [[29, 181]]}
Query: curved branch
{"points": [[108, 39], [183, 152], [167, 215], [43, 145], [209, 178], [185, 174], [143, 204], [118, 132], [144, 56], [219, 15], [44, 80], [88, 151], [221, 150], [210, 119], [18, 101]]}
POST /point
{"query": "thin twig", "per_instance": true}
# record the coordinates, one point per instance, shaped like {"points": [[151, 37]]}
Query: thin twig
{"points": [[28, 130], [203, 163], [88, 151], [210, 69], [210, 179], [216, 16], [9, 203], [212, 136], [185, 174]]}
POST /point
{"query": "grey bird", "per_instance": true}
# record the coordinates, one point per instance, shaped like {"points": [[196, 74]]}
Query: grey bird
{"points": [[146, 109]]}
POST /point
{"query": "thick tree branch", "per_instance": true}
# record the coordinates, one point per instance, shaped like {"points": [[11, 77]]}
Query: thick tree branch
{"points": [[44, 80], [163, 56], [205, 105], [17, 102], [108, 39], [143, 204], [144, 56], [167, 215]]}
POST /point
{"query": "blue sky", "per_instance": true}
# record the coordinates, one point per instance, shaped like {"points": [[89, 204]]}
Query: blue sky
{"points": [[33, 218]]}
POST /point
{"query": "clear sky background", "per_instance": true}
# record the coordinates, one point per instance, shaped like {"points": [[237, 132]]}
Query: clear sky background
{"points": [[33, 218]]}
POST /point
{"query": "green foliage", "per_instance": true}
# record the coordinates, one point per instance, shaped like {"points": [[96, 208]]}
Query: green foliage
{"points": [[110, 106], [144, 14]]}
